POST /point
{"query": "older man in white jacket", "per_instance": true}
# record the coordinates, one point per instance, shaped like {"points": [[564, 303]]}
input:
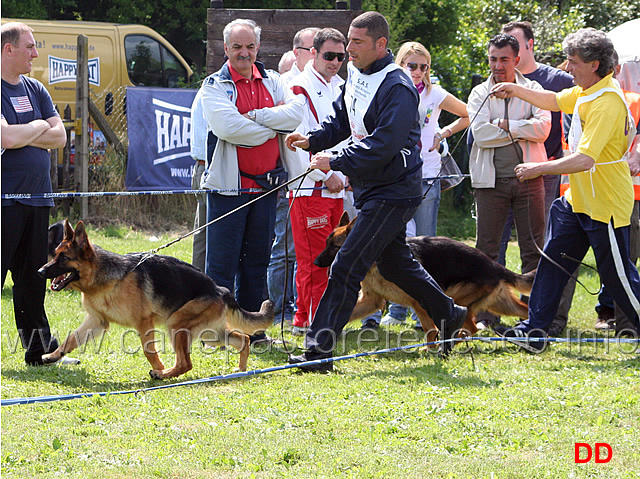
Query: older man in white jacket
{"points": [[246, 107], [507, 133]]}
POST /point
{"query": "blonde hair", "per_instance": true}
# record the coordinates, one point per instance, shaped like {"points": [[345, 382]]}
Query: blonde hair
{"points": [[409, 48]]}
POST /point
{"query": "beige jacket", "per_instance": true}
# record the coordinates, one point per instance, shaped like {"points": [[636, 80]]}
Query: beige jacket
{"points": [[529, 126]]}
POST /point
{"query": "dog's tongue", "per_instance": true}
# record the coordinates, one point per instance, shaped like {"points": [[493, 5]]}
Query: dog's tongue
{"points": [[58, 283]]}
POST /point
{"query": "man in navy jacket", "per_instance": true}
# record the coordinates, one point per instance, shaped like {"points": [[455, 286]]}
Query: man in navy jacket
{"points": [[378, 109]]}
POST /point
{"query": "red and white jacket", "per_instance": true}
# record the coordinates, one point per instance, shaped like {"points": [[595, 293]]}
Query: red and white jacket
{"points": [[318, 96]]}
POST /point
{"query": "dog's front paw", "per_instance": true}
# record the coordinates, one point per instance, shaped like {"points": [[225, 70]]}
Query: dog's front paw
{"points": [[51, 358]]}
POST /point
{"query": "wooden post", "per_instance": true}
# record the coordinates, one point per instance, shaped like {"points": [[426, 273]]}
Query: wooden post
{"points": [[53, 174], [53, 169], [66, 175], [82, 123]]}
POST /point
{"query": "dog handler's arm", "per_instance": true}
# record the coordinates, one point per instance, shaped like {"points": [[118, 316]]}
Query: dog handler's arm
{"points": [[573, 163], [543, 99]]}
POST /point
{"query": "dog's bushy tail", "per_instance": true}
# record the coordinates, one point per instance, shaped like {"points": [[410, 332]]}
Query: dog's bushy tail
{"points": [[522, 282], [249, 322]]}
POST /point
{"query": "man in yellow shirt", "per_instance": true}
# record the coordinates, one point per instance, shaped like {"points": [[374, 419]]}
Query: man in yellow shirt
{"points": [[596, 210]]}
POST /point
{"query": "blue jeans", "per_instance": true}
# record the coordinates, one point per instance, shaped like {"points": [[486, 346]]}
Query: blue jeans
{"points": [[551, 192], [426, 216], [277, 264], [378, 235], [426, 219], [239, 246], [573, 233]]}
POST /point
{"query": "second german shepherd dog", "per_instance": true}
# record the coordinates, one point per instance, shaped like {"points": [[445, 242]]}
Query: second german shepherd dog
{"points": [[143, 293], [464, 273]]}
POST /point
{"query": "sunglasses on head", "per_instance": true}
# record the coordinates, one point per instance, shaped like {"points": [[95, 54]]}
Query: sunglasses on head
{"points": [[414, 66], [330, 56]]}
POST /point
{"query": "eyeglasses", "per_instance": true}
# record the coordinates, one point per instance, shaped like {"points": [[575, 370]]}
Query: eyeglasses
{"points": [[330, 56], [414, 66], [304, 48]]}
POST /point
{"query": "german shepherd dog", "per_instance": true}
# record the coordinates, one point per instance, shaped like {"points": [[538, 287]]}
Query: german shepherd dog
{"points": [[55, 237], [141, 293], [464, 273]]}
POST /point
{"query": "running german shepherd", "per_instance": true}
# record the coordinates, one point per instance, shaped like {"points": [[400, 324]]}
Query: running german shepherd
{"points": [[142, 293], [464, 273]]}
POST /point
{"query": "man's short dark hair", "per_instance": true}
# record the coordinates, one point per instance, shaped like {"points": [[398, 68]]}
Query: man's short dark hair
{"points": [[526, 28], [502, 40], [591, 45], [328, 34], [375, 23]]}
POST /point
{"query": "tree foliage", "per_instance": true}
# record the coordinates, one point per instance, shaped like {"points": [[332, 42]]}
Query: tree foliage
{"points": [[455, 31]]}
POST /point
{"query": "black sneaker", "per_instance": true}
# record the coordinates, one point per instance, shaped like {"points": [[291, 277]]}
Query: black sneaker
{"points": [[315, 367], [449, 329], [260, 339], [557, 327], [63, 361], [522, 338], [370, 324]]}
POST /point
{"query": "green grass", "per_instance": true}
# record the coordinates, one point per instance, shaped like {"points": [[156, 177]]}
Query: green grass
{"points": [[498, 413]]}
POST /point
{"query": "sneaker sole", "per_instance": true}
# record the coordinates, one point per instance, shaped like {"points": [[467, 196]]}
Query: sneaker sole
{"points": [[522, 340]]}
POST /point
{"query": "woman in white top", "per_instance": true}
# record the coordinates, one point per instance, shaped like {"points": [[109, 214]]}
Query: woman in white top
{"points": [[416, 61]]}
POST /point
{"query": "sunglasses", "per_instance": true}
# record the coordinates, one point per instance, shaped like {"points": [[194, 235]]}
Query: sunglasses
{"points": [[414, 66], [304, 48], [330, 56]]}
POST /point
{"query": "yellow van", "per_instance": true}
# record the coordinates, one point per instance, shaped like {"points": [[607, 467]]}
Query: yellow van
{"points": [[120, 55]]}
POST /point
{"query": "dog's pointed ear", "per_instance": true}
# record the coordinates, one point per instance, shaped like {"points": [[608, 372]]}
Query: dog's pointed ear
{"points": [[344, 219], [68, 231], [80, 236], [351, 223]]}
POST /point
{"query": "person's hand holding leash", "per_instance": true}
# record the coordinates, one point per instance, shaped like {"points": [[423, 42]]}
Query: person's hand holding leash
{"points": [[334, 184], [296, 140], [320, 161], [505, 90], [528, 171]]}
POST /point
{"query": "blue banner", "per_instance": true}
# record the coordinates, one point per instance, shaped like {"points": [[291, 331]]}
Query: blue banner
{"points": [[159, 124]]}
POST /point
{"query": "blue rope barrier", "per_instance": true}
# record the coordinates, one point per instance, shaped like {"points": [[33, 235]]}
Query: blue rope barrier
{"points": [[88, 194], [98, 194], [255, 372]]}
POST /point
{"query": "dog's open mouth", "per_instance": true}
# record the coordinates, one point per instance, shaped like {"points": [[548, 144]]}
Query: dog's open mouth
{"points": [[59, 283]]}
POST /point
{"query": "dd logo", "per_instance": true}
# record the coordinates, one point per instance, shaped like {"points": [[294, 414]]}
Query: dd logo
{"points": [[590, 452]]}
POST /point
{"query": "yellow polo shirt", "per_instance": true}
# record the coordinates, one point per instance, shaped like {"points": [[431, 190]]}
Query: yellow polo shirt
{"points": [[604, 139]]}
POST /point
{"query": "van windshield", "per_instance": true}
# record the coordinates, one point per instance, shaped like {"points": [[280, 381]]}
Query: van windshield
{"points": [[149, 63]]}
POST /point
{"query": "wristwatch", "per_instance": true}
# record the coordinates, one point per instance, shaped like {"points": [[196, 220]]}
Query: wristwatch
{"points": [[252, 115]]}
